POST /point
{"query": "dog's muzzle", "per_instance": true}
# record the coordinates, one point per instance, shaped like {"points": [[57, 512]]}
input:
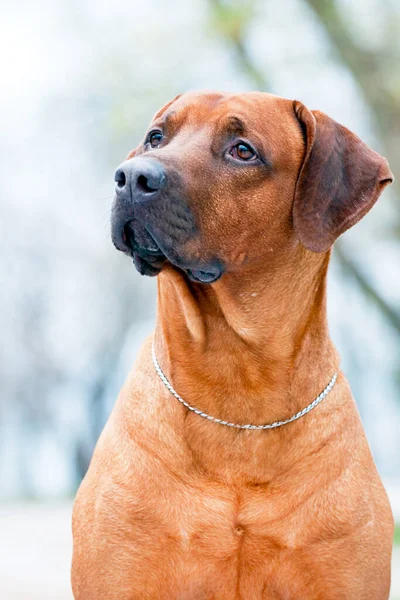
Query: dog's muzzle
{"points": [[152, 223]]}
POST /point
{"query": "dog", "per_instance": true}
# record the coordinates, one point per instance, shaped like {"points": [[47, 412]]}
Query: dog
{"points": [[234, 464]]}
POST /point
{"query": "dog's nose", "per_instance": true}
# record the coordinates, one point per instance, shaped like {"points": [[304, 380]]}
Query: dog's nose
{"points": [[139, 179]]}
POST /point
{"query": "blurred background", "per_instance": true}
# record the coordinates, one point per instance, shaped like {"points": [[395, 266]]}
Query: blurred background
{"points": [[80, 82]]}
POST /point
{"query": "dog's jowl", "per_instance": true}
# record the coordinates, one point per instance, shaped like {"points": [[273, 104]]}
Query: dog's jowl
{"points": [[234, 464]]}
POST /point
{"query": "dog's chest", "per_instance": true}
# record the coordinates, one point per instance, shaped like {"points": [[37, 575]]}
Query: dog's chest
{"points": [[213, 544], [166, 539], [236, 549], [254, 546]]}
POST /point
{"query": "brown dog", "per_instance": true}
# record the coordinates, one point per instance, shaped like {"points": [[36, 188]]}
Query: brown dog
{"points": [[236, 202]]}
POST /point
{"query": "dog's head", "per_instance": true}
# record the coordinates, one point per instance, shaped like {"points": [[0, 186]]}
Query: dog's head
{"points": [[221, 181]]}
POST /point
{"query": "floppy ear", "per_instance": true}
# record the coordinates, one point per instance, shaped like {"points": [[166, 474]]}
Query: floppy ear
{"points": [[339, 181]]}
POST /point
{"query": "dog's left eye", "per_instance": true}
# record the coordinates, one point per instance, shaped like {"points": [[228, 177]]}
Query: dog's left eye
{"points": [[155, 138], [243, 151]]}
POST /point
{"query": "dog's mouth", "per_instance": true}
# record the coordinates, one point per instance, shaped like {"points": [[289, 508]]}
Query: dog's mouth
{"points": [[149, 258]]}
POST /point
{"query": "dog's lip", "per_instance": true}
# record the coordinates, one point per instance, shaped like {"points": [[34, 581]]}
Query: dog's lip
{"points": [[200, 276], [151, 258], [129, 240]]}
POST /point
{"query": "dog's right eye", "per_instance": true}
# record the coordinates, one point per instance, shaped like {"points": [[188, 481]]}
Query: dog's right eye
{"points": [[155, 138], [243, 152]]}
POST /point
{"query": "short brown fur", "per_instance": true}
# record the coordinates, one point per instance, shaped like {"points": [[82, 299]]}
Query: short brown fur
{"points": [[176, 507]]}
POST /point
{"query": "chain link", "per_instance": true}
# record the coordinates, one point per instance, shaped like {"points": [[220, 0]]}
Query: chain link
{"points": [[301, 413]]}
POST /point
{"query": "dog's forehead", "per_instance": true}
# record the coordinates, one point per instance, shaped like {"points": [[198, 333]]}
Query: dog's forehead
{"points": [[259, 112]]}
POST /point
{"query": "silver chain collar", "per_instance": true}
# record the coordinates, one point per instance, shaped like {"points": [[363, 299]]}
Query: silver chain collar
{"points": [[301, 413]]}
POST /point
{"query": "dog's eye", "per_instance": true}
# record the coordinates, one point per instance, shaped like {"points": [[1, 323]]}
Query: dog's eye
{"points": [[243, 151], [155, 138]]}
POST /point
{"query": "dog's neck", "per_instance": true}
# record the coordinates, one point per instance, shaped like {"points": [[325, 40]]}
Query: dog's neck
{"points": [[252, 348]]}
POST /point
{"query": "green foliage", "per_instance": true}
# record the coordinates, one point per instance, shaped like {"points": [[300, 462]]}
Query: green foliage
{"points": [[396, 539], [231, 18]]}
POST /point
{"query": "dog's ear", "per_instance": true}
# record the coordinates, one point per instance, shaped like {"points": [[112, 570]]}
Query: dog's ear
{"points": [[338, 183]]}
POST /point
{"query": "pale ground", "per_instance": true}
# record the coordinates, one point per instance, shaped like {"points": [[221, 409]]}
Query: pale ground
{"points": [[35, 552]]}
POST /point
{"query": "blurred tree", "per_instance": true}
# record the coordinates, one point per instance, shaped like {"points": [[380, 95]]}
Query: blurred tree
{"points": [[231, 20], [371, 69]]}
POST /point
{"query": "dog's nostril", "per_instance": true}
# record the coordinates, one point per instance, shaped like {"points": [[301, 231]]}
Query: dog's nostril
{"points": [[120, 178], [143, 185]]}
